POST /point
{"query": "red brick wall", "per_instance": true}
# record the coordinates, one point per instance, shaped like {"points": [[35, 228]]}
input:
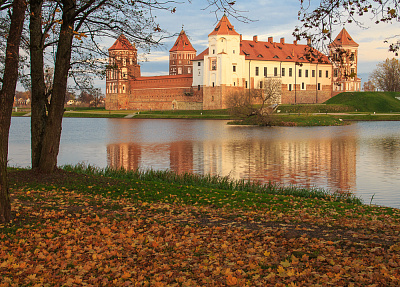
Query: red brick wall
{"points": [[157, 93], [217, 97], [308, 96]]}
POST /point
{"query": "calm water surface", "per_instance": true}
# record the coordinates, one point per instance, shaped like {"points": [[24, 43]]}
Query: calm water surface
{"points": [[363, 158]]}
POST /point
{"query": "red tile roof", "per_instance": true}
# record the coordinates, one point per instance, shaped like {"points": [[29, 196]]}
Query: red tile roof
{"points": [[200, 56], [224, 27], [182, 43], [122, 44], [343, 39], [272, 51]]}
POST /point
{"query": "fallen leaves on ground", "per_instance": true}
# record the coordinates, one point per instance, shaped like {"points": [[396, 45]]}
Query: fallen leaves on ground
{"points": [[65, 238]]}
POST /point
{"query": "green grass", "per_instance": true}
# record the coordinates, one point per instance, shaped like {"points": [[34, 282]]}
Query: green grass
{"points": [[315, 108], [93, 115], [380, 102], [200, 184], [185, 114], [18, 114], [296, 120]]}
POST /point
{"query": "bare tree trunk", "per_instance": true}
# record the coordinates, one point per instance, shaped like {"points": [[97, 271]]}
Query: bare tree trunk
{"points": [[38, 117], [6, 101], [52, 133]]}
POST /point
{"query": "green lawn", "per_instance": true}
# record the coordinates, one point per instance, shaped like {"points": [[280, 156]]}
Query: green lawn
{"points": [[380, 102]]}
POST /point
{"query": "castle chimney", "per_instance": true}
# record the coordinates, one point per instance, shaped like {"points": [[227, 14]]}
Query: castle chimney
{"points": [[240, 37], [255, 38], [270, 39], [282, 40]]}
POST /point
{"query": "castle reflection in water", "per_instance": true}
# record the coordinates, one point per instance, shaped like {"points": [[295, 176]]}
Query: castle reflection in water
{"points": [[327, 162]]}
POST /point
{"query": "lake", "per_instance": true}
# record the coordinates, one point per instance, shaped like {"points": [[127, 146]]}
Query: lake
{"points": [[362, 158]]}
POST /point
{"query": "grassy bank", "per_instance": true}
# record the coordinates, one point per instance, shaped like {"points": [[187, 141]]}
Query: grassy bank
{"points": [[100, 227], [296, 120], [315, 108], [379, 102]]}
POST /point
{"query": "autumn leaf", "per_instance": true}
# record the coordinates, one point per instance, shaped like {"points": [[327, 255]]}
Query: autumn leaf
{"points": [[231, 280], [285, 263]]}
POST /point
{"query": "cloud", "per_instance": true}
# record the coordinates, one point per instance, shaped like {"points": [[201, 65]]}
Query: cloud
{"points": [[156, 56]]}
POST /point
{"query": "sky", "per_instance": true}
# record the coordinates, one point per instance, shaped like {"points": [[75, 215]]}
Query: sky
{"points": [[271, 18]]}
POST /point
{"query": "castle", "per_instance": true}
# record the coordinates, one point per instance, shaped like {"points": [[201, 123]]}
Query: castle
{"points": [[230, 64]]}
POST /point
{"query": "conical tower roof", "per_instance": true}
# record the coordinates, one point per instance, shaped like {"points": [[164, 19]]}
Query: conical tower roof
{"points": [[122, 44], [343, 39], [224, 27], [182, 43]]}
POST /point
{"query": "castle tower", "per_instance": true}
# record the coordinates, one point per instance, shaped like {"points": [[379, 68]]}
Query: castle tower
{"points": [[181, 56], [123, 67], [343, 52], [223, 65]]}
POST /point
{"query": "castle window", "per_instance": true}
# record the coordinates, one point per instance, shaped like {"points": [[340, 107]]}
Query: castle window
{"points": [[335, 72], [290, 87], [352, 57], [251, 45], [326, 74], [199, 72], [353, 71], [213, 51], [214, 65], [265, 72], [300, 72], [257, 71], [198, 87], [234, 68], [313, 73], [233, 51], [261, 84], [276, 57], [189, 70], [306, 74], [320, 73], [199, 64], [275, 72], [283, 72], [290, 72], [288, 57], [302, 86], [319, 86], [213, 84]]}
